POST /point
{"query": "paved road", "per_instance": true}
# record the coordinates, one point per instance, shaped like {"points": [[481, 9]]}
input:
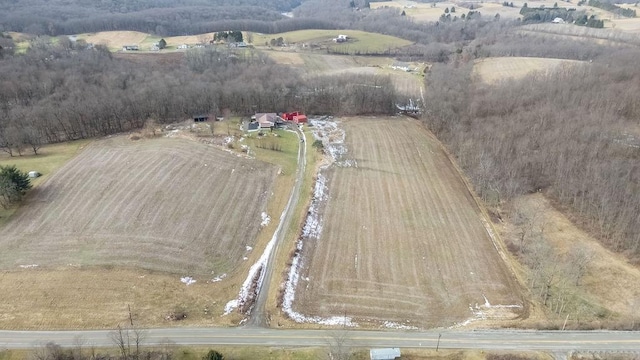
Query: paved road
{"points": [[259, 316], [558, 341]]}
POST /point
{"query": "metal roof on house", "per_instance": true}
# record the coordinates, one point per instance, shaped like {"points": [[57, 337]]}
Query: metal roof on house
{"points": [[266, 117], [384, 353]]}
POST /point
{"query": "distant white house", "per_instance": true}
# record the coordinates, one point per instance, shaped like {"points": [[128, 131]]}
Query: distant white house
{"points": [[399, 65], [183, 46], [341, 38], [130, 48]]}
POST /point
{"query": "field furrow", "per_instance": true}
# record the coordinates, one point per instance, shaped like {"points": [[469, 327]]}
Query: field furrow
{"points": [[402, 236], [164, 204]]}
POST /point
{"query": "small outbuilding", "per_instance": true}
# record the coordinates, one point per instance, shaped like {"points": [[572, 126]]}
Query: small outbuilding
{"points": [[34, 174], [200, 118], [384, 354]]}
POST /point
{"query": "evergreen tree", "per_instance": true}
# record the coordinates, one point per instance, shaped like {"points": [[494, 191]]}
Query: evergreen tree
{"points": [[13, 184], [17, 177], [213, 355]]}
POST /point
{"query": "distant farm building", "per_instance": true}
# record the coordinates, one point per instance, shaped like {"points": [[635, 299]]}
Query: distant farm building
{"points": [[295, 117], [240, 44], [399, 65], [384, 354], [183, 46], [200, 118], [341, 39], [408, 108], [130, 48]]}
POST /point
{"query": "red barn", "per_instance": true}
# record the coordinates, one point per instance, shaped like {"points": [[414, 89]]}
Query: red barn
{"points": [[296, 117]]}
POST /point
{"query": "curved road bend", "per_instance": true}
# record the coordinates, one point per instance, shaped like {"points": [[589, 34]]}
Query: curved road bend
{"points": [[556, 341], [258, 316]]}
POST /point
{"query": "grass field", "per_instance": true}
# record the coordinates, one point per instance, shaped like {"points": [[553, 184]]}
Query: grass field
{"points": [[60, 294], [359, 41], [426, 12], [166, 204], [115, 40], [402, 238], [49, 159], [491, 70], [406, 83], [610, 282]]}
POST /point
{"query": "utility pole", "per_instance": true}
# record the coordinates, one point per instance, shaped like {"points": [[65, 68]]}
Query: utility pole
{"points": [[438, 344]]}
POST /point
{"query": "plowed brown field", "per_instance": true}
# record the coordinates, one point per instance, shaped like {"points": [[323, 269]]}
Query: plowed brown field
{"points": [[171, 205], [402, 238]]}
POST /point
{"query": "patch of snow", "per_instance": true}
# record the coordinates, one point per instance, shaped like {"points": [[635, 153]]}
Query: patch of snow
{"points": [[245, 258], [219, 278], [289, 296], [485, 311], [332, 137], [228, 140], [248, 248], [313, 223], [231, 305], [311, 230], [394, 325], [255, 272], [31, 266], [266, 219], [188, 280]]}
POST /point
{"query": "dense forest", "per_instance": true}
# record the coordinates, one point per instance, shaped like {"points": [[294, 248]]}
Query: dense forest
{"points": [[57, 17], [572, 134], [58, 92]]}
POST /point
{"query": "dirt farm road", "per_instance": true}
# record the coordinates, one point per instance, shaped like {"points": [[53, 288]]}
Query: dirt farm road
{"points": [[258, 316], [555, 341]]}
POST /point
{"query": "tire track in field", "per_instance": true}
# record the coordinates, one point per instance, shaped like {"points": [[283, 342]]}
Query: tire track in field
{"points": [[401, 236], [151, 203]]}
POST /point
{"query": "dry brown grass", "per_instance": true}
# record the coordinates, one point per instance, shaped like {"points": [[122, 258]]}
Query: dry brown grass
{"points": [[144, 203], [164, 204], [627, 25], [402, 236], [611, 281], [189, 39], [115, 39], [492, 70], [98, 297], [286, 57]]}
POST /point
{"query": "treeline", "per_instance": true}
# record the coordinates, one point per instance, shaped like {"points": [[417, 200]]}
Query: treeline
{"points": [[542, 14], [58, 92], [569, 134], [534, 44], [50, 20], [613, 8]]}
